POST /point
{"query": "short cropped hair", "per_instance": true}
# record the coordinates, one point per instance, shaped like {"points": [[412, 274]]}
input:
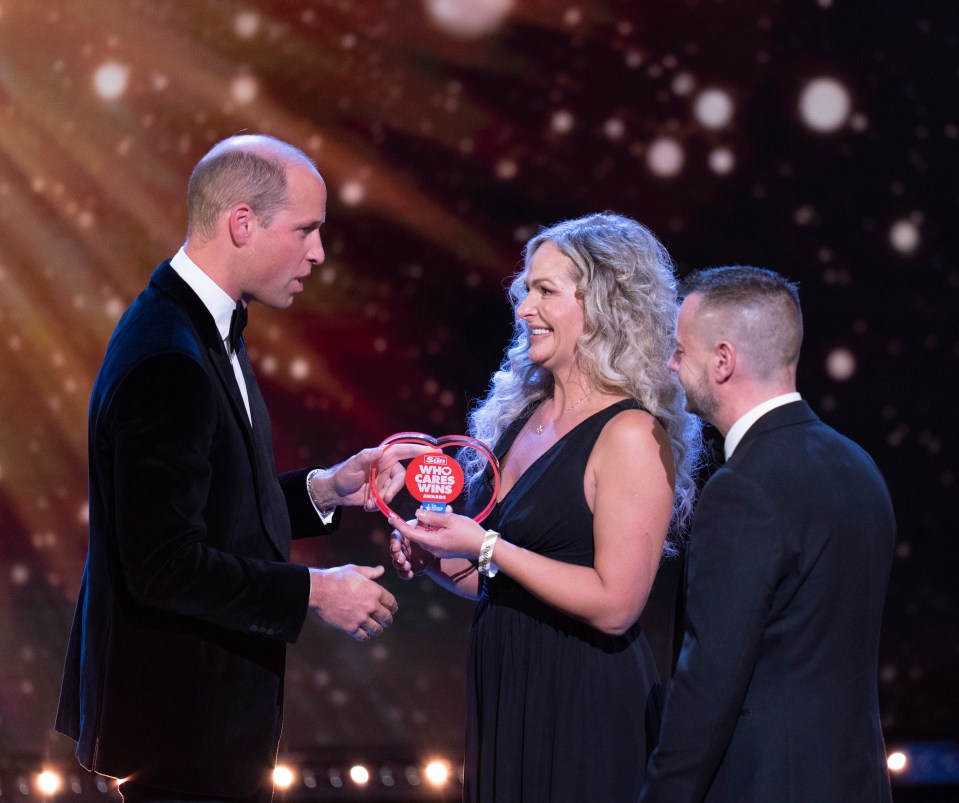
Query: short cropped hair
{"points": [[758, 310], [242, 169]]}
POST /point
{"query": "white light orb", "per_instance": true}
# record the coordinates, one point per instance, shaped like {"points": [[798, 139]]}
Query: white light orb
{"points": [[246, 24], [468, 19], [360, 775], [904, 236], [111, 79], [665, 157], [614, 128], [49, 782], [437, 772], [722, 161], [299, 369], [897, 761], [283, 777], [684, 83], [713, 108], [841, 364], [506, 169], [825, 104], [352, 193], [244, 89], [562, 122]]}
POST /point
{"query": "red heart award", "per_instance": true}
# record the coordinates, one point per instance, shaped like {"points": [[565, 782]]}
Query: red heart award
{"points": [[435, 479]]}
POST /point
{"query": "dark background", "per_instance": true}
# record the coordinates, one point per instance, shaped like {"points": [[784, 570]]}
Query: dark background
{"points": [[448, 132]]}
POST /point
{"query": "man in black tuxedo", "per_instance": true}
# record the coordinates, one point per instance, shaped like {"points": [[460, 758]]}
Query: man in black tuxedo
{"points": [[774, 697], [174, 670]]}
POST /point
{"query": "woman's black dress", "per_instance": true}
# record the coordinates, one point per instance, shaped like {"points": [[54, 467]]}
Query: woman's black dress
{"points": [[557, 711]]}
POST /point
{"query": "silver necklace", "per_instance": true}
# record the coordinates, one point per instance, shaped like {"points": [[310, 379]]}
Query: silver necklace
{"points": [[539, 427]]}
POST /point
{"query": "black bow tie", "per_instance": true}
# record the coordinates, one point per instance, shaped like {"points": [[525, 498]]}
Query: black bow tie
{"points": [[237, 325]]}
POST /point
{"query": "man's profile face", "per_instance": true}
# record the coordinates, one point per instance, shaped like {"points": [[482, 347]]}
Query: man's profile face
{"points": [[691, 360], [289, 248]]}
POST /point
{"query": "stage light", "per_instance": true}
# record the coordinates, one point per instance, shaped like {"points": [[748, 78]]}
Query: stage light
{"points": [[437, 772], [283, 777], [360, 775], [897, 762], [49, 782]]}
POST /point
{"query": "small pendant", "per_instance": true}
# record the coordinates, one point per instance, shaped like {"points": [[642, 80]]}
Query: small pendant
{"points": [[539, 429]]}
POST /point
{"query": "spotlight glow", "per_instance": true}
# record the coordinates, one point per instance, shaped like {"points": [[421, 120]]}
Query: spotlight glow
{"points": [[825, 104], [897, 762], [49, 782], [360, 775], [283, 777], [437, 772]]}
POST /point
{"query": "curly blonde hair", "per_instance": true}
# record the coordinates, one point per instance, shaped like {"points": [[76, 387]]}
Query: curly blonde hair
{"points": [[626, 280]]}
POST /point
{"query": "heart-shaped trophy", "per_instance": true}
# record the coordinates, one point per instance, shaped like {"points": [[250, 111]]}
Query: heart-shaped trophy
{"points": [[435, 479]]}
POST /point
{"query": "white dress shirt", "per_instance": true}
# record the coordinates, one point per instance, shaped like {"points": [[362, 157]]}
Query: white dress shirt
{"points": [[221, 307], [742, 425]]}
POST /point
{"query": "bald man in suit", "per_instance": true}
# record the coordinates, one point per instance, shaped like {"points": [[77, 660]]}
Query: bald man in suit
{"points": [[774, 697], [174, 670]]}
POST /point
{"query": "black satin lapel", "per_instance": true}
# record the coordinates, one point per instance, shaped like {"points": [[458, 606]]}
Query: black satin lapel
{"points": [[224, 369], [273, 511]]}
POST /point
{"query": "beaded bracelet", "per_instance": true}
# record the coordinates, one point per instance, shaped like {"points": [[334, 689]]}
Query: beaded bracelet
{"points": [[485, 565]]}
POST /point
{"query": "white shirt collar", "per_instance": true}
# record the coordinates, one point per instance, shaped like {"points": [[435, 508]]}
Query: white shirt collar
{"points": [[214, 297], [741, 427]]}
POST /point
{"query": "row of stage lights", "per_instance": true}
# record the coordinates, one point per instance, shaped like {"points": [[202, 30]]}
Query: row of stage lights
{"points": [[917, 764], [426, 780]]}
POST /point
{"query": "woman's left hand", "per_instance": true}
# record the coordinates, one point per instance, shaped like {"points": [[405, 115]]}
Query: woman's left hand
{"points": [[446, 535]]}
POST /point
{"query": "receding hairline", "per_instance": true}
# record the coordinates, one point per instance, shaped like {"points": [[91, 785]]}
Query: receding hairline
{"points": [[264, 146]]}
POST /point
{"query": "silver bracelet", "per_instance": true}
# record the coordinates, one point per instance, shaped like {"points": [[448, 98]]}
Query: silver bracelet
{"points": [[485, 564]]}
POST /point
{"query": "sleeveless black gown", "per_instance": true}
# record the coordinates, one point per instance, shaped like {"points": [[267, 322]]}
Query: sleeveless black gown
{"points": [[557, 711]]}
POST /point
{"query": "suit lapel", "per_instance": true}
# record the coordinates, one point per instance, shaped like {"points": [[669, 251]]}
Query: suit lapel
{"points": [[271, 503], [273, 510]]}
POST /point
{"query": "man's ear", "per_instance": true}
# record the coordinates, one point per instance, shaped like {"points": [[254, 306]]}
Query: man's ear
{"points": [[241, 222], [724, 361]]}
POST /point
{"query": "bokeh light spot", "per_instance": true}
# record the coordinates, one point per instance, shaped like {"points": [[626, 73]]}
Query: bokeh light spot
{"points": [[246, 24], [665, 157], [111, 79], [824, 104], [468, 19], [562, 122], [904, 236], [721, 161], [713, 108], [841, 364], [352, 193], [244, 89]]}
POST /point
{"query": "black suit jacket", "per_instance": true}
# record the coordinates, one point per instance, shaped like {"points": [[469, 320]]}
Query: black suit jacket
{"points": [[775, 693], [174, 669]]}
